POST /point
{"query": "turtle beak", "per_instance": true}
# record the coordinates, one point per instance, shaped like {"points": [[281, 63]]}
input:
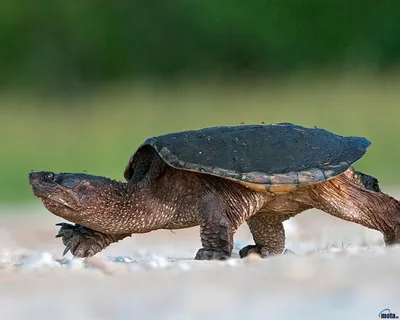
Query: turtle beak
{"points": [[36, 178], [42, 182]]}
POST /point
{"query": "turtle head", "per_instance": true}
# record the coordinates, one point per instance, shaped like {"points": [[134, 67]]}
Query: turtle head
{"points": [[70, 195]]}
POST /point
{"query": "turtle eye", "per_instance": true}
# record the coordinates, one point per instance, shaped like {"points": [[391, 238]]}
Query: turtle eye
{"points": [[48, 176]]}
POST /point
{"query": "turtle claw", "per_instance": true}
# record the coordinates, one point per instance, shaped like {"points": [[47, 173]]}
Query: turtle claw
{"points": [[60, 233], [263, 252], [67, 248], [63, 224], [209, 254], [66, 230]]}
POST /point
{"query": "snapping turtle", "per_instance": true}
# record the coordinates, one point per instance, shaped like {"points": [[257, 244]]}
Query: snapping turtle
{"points": [[218, 178]]}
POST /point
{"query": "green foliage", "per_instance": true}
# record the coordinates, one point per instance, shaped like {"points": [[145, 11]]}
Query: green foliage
{"points": [[68, 43], [99, 133]]}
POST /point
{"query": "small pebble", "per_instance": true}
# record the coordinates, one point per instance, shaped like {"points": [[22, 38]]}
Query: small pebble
{"points": [[158, 263], [135, 267], [76, 264], [121, 259], [232, 262], [184, 266], [252, 257], [43, 259], [100, 264], [64, 261]]}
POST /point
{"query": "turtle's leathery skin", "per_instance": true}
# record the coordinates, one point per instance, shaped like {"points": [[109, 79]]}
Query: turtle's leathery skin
{"points": [[181, 199], [268, 234], [356, 197]]}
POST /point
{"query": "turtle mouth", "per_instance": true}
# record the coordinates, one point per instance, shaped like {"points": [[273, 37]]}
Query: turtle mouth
{"points": [[43, 191], [45, 187]]}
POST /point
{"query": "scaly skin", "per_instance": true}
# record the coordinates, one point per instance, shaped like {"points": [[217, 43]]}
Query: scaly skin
{"points": [[107, 211]]}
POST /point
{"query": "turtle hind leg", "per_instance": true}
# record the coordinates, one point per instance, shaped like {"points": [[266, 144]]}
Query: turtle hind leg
{"points": [[268, 234], [216, 230], [356, 197], [84, 242]]}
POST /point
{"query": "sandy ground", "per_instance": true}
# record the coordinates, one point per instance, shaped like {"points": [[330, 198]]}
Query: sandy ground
{"points": [[340, 271]]}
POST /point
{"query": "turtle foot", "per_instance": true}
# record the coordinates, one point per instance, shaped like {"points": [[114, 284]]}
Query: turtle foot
{"points": [[263, 252], [81, 241], [208, 254]]}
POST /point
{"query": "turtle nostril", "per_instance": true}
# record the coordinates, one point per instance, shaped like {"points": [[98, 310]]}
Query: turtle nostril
{"points": [[33, 177]]}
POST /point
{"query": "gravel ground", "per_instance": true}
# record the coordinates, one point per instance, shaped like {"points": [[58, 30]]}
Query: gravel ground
{"points": [[340, 271]]}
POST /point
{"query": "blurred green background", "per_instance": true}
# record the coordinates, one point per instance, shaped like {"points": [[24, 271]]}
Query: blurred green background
{"points": [[82, 84]]}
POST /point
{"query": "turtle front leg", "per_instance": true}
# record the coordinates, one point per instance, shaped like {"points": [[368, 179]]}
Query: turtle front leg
{"points": [[268, 234], [84, 242], [356, 197], [216, 231]]}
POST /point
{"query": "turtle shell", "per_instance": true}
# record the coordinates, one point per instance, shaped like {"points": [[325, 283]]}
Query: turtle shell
{"points": [[270, 158]]}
